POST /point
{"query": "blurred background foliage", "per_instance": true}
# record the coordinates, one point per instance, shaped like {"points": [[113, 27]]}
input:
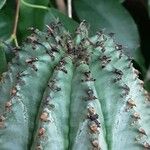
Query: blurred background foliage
{"points": [[129, 20]]}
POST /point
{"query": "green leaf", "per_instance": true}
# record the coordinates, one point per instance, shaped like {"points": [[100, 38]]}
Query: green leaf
{"points": [[149, 6], [31, 17], [28, 17], [114, 18], [68, 23], [2, 3], [121, 1], [147, 80], [3, 62], [45, 17], [7, 16]]}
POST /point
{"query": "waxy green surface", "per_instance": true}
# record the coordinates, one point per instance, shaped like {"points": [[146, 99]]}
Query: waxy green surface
{"points": [[72, 93]]}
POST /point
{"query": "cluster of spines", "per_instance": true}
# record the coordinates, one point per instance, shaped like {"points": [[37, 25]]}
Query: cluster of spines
{"points": [[92, 116]]}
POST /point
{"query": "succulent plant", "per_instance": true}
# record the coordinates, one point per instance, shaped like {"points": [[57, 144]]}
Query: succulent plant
{"points": [[77, 93]]}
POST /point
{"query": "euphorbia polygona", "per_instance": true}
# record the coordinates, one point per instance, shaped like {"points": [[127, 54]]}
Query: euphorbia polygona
{"points": [[65, 93]]}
